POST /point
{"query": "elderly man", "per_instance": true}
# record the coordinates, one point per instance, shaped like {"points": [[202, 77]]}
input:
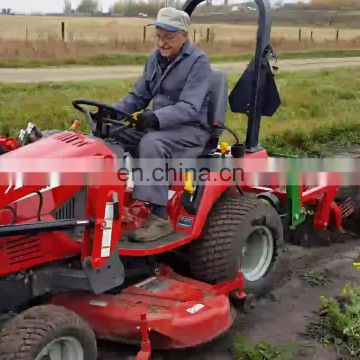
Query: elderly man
{"points": [[176, 78]]}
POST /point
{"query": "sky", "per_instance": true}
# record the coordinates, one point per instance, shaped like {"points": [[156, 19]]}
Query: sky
{"points": [[57, 5]]}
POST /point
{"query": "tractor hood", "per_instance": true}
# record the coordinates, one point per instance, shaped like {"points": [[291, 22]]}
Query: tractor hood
{"points": [[64, 158], [63, 145]]}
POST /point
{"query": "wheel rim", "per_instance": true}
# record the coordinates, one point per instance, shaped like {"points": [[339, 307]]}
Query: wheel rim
{"points": [[64, 348], [257, 254]]}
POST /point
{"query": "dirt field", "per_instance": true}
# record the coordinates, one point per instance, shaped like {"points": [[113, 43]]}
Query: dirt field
{"points": [[105, 29], [286, 17], [39, 37], [283, 316]]}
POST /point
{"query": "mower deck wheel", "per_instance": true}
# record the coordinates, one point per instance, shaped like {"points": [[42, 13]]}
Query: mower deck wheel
{"points": [[244, 234], [47, 333]]}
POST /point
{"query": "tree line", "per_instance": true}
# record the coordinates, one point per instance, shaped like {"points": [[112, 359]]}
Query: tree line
{"points": [[329, 5], [123, 7], [150, 8]]}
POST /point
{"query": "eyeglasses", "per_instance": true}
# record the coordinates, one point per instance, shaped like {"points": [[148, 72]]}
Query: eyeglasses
{"points": [[167, 38]]}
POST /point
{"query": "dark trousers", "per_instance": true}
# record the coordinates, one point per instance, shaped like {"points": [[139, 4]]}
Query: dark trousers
{"points": [[155, 146]]}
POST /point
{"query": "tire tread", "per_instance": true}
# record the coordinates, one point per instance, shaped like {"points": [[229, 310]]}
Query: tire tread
{"points": [[20, 336]]}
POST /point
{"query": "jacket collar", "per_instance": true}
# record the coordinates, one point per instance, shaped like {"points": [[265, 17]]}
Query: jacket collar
{"points": [[161, 62], [187, 48]]}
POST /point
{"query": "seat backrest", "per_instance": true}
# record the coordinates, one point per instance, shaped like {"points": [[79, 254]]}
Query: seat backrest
{"points": [[218, 101]]}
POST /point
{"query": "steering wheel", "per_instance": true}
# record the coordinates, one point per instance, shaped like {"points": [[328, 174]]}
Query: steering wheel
{"points": [[104, 116]]}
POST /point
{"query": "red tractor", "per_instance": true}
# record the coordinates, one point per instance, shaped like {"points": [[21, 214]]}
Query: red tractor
{"points": [[68, 278], [8, 144]]}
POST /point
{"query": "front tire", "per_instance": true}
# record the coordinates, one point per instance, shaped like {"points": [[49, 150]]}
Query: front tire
{"points": [[241, 234], [45, 333]]}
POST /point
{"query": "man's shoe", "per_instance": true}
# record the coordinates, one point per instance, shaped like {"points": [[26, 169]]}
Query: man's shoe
{"points": [[154, 229]]}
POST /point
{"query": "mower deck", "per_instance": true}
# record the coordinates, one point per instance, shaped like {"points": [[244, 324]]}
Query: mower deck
{"points": [[170, 310]]}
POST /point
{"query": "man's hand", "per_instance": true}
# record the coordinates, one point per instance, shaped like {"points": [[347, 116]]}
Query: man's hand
{"points": [[146, 120]]}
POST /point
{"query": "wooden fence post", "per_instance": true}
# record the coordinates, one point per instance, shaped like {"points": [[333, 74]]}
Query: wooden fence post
{"points": [[144, 35], [300, 35], [208, 35], [337, 35], [63, 30], [194, 36], [312, 36]]}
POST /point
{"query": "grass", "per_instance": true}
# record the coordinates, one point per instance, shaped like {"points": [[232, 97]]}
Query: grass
{"points": [[339, 324], [319, 109], [314, 278], [97, 60], [264, 350], [244, 350], [139, 59]]}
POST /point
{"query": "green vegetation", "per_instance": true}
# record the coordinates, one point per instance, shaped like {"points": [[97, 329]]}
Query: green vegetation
{"points": [[319, 109], [88, 6], [339, 324], [98, 60], [314, 278], [139, 59], [310, 54], [49, 106], [244, 350], [289, 55]]}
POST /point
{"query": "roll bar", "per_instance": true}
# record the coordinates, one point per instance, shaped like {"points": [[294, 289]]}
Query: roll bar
{"points": [[257, 75]]}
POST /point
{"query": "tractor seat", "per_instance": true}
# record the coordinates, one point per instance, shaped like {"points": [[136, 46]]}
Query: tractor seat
{"points": [[217, 108], [216, 115]]}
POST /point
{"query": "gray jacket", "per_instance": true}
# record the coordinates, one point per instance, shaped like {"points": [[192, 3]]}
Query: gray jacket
{"points": [[180, 93]]}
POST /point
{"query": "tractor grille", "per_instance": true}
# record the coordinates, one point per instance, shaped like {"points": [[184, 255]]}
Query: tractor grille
{"points": [[23, 249], [66, 211], [72, 139], [74, 208]]}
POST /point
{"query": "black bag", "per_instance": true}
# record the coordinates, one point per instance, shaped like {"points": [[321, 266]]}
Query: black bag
{"points": [[240, 98]]}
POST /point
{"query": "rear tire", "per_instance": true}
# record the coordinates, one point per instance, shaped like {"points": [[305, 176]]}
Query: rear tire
{"points": [[240, 234], [46, 332]]}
